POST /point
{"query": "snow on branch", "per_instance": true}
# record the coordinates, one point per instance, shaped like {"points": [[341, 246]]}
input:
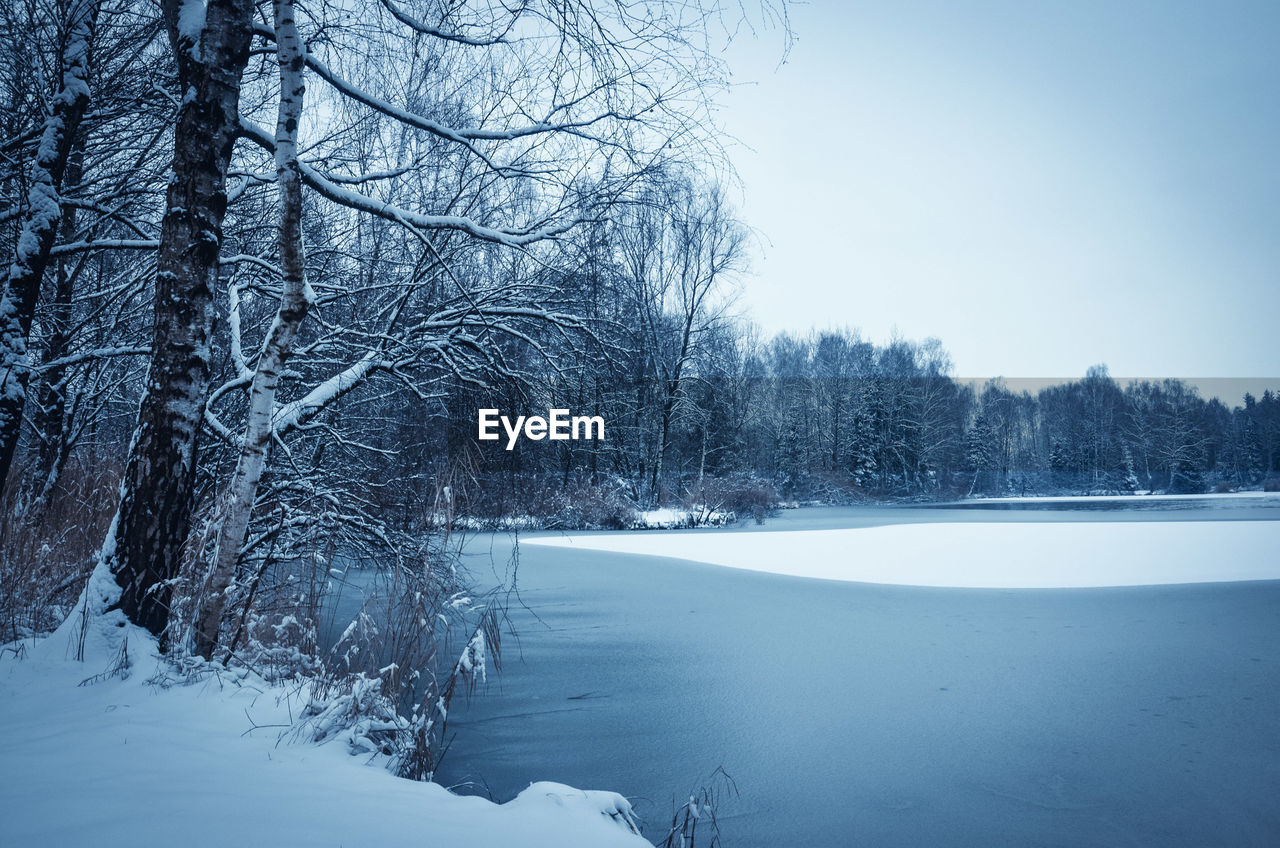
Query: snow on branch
{"points": [[418, 25], [296, 413], [104, 244], [363, 203], [85, 356], [461, 136]]}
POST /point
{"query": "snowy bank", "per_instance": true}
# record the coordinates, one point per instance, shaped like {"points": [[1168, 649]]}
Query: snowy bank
{"points": [[676, 519], [665, 518], [1136, 498], [978, 554], [122, 762]]}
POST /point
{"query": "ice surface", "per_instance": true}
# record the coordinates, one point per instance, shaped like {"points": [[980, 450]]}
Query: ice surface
{"points": [[892, 716]]}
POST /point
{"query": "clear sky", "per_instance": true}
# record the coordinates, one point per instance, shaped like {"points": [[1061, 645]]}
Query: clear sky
{"points": [[1042, 185]]}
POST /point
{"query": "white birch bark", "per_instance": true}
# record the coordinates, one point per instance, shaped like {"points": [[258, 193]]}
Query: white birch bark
{"points": [[295, 300]]}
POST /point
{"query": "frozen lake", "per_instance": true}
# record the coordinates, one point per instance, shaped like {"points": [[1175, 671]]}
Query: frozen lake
{"points": [[859, 714]]}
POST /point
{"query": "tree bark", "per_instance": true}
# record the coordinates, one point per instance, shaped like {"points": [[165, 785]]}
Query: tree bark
{"points": [[295, 300], [40, 224], [144, 549]]}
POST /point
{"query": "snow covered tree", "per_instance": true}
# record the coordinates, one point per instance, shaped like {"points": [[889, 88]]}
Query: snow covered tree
{"points": [[978, 448], [295, 300], [681, 248], [520, 124], [143, 550], [1128, 480], [1059, 463], [862, 460], [40, 220]]}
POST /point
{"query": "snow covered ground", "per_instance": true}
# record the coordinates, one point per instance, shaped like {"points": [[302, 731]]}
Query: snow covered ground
{"points": [[120, 762], [978, 555]]}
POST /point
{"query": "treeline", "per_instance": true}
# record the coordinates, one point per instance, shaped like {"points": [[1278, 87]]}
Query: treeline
{"points": [[836, 418]]}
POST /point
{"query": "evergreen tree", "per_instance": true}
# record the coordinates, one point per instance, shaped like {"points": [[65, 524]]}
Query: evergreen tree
{"points": [[1129, 477], [862, 458], [1059, 464], [978, 450]]}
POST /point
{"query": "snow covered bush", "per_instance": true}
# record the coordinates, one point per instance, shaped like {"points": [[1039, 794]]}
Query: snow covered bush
{"points": [[386, 684], [548, 501], [1186, 479], [367, 712], [743, 494]]}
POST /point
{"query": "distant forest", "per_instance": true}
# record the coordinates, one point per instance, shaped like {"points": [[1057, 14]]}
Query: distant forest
{"points": [[834, 418]]}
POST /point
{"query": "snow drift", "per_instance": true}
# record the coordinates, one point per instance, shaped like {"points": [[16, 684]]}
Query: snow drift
{"points": [[114, 759]]}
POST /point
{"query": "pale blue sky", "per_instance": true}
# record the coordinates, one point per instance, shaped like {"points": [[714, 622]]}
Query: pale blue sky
{"points": [[1041, 185]]}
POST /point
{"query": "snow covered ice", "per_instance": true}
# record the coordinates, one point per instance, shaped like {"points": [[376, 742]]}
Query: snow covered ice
{"points": [[860, 713], [978, 555]]}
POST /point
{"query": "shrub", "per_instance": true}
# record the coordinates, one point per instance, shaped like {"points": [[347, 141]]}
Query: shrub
{"points": [[549, 501], [700, 811], [47, 549], [1186, 481], [386, 684], [744, 495]]}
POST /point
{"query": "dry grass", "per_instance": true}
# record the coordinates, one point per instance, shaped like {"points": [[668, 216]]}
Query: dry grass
{"points": [[47, 550], [694, 823], [422, 637]]}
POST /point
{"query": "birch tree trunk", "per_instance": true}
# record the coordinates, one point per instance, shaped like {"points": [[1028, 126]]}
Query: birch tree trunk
{"points": [[295, 299], [144, 547], [50, 415], [40, 224]]}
